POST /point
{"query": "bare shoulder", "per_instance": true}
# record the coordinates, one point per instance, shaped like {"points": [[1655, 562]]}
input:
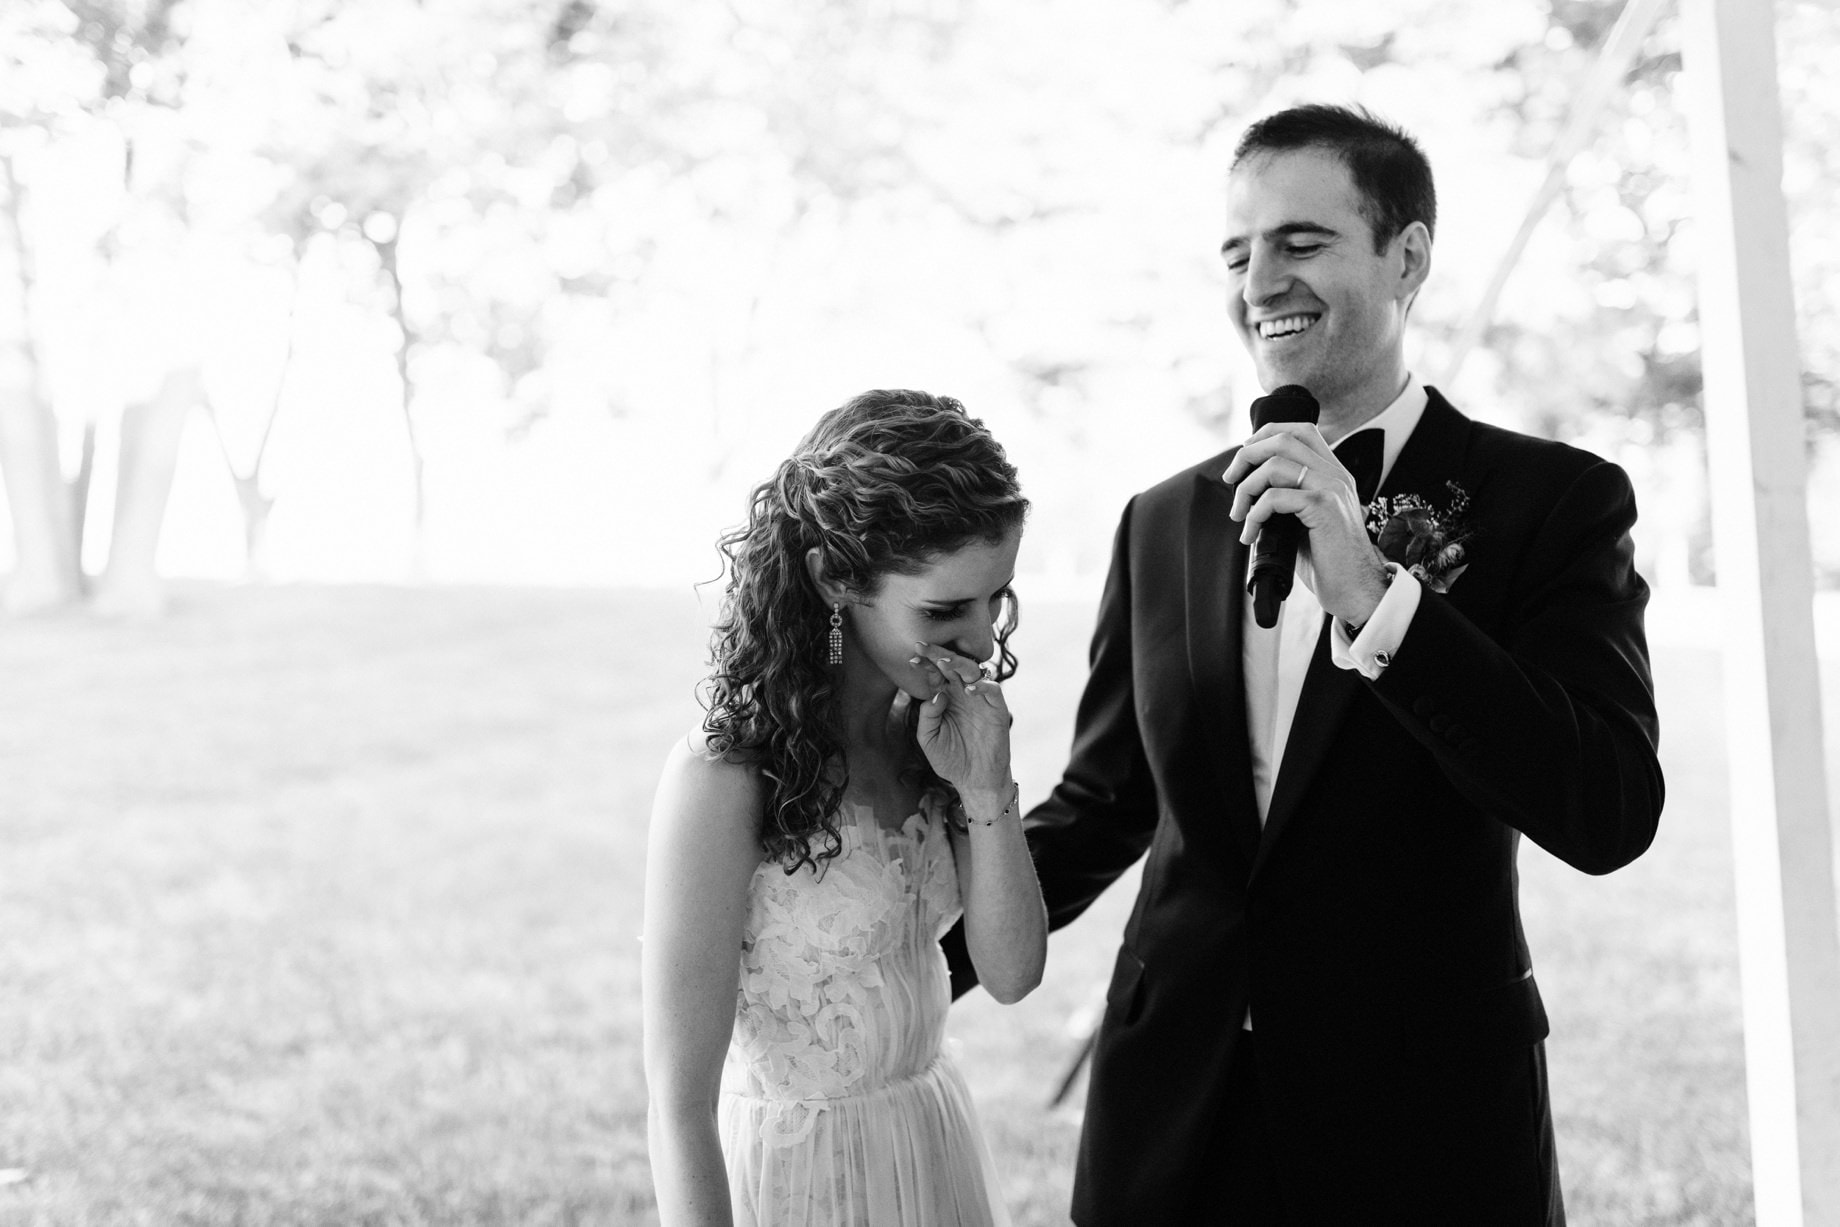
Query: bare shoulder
{"points": [[693, 766], [707, 797]]}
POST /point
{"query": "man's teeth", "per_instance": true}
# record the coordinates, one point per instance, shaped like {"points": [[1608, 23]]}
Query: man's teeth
{"points": [[1289, 325]]}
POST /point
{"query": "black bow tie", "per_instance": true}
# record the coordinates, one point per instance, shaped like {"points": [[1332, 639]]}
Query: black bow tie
{"points": [[1362, 454]]}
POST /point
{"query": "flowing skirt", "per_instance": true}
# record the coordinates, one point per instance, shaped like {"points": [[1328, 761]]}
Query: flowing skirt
{"points": [[907, 1154]]}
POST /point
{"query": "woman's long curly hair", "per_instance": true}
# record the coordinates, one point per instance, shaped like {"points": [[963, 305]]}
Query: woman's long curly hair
{"points": [[886, 484]]}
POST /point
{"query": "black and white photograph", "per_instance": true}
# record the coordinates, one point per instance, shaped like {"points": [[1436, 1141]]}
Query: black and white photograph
{"points": [[919, 613]]}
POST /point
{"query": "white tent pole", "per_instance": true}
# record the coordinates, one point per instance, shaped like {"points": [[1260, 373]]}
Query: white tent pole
{"points": [[1782, 835]]}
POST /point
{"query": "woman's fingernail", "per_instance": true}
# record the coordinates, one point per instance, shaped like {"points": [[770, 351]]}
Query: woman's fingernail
{"points": [[913, 660]]}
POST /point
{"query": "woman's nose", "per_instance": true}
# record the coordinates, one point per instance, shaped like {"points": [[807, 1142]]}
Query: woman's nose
{"points": [[977, 643]]}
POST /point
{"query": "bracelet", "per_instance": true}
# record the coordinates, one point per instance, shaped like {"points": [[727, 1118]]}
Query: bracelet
{"points": [[1015, 801]]}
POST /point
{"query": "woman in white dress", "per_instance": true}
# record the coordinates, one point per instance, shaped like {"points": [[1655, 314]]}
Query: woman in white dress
{"points": [[848, 796]]}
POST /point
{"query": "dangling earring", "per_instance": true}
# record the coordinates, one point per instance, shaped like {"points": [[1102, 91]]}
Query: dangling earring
{"points": [[836, 636]]}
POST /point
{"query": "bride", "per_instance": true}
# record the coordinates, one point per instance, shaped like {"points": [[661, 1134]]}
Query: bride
{"points": [[848, 795]]}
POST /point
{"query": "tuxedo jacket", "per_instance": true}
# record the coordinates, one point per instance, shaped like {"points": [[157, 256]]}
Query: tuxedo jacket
{"points": [[1372, 923]]}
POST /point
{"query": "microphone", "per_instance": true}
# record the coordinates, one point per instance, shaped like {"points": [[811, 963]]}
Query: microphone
{"points": [[1274, 554]]}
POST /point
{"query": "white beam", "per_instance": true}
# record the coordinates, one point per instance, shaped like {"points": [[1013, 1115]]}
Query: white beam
{"points": [[1788, 927]]}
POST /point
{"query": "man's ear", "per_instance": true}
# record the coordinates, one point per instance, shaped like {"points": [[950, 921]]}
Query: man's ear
{"points": [[1414, 247], [832, 592]]}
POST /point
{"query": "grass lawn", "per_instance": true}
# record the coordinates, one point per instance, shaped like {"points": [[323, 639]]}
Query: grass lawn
{"points": [[320, 906]]}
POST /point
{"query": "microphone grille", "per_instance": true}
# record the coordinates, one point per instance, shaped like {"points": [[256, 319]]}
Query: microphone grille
{"points": [[1290, 403]]}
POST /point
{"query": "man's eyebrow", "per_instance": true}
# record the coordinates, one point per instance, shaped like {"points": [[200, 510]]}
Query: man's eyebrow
{"points": [[1284, 231]]}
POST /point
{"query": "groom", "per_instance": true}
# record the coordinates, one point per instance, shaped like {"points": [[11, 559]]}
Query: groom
{"points": [[1324, 1010]]}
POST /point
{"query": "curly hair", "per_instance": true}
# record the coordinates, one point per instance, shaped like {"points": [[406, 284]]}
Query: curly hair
{"points": [[887, 483]]}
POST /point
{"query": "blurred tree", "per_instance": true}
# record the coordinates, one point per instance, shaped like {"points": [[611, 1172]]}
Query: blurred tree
{"points": [[42, 75], [755, 128], [1614, 353], [1625, 217], [43, 504], [555, 206], [473, 152], [400, 117], [95, 74]]}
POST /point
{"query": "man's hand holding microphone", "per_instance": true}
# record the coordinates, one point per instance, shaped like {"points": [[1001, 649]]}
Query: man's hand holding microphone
{"points": [[1294, 497]]}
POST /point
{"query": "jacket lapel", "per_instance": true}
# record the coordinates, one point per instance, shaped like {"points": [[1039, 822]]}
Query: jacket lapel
{"points": [[1215, 564], [1432, 456]]}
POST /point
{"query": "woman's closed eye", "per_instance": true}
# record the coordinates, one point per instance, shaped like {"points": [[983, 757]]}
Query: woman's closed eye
{"points": [[946, 613]]}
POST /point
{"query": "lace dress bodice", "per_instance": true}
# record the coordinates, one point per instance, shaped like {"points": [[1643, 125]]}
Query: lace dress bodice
{"points": [[839, 1105]]}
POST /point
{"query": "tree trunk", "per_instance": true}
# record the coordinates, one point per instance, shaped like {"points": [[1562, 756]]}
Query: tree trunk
{"points": [[150, 434], [254, 504], [386, 255], [256, 508], [47, 573], [77, 491]]}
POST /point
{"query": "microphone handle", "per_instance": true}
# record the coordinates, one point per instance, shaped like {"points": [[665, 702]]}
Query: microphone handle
{"points": [[1274, 554], [1267, 599], [1274, 564]]}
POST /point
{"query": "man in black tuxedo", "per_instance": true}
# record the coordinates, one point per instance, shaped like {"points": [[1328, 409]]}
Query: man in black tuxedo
{"points": [[1324, 1009]]}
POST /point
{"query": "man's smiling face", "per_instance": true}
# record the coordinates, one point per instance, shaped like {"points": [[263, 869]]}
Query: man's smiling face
{"points": [[1312, 300]]}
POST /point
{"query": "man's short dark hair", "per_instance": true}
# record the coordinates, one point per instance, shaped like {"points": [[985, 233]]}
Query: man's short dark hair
{"points": [[1389, 170]]}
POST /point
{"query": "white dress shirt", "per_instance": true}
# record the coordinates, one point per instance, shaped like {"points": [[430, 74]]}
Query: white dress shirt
{"points": [[1276, 660]]}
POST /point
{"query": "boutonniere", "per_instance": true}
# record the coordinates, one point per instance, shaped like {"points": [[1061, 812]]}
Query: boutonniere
{"points": [[1431, 543]]}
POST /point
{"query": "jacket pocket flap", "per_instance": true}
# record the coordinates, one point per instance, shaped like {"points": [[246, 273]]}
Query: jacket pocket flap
{"points": [[1504, 1015]]}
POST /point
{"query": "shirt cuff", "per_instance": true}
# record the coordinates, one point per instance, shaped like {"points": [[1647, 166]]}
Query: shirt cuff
{"points": [[1371, 651]]}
